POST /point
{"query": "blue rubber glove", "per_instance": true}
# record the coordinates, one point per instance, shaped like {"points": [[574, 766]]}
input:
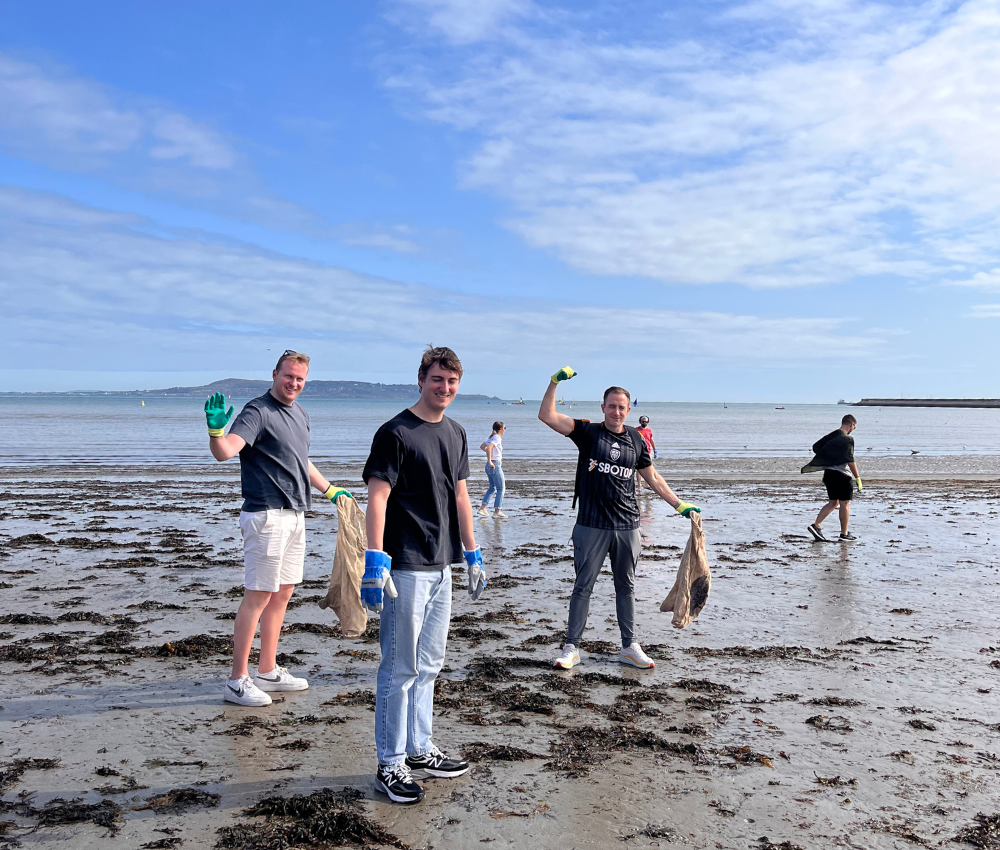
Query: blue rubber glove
{"points": [[656, 454], [685, 508], [376, 577], [477, 573]]}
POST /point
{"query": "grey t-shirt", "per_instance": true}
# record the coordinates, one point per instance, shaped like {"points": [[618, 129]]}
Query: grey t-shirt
{"points": [[274, 464]]}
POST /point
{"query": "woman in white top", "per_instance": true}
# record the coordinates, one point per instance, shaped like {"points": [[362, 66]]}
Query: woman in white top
{"points": [[494, 471]]}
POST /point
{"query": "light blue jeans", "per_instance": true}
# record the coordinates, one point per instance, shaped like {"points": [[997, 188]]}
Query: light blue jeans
{"points": [[413, 633], [497, 485]]}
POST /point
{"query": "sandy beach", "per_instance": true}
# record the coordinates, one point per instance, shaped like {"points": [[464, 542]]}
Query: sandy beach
{"points": [[830, 695]]}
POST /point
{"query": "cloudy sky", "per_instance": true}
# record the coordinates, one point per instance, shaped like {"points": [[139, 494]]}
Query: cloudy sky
{"points": [[774, 200]]}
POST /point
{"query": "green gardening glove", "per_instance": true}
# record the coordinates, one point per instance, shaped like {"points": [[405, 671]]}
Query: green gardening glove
{"points": [[217, 415], [685, 508], [563, 374], [332, 493]]}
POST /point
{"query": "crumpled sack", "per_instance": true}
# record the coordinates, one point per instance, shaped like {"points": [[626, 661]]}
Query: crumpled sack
{"points": [[344, 595], [690, 591]]}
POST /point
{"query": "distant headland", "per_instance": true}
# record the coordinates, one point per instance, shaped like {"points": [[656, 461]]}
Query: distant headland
{"points": [[240, 388], [927, 402]]}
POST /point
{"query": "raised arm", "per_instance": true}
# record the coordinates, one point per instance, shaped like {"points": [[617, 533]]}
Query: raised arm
{"points": [[223, 446], [558, 422]]}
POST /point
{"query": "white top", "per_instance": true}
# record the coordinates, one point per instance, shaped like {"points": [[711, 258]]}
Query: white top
{"points": [[497, 447]]}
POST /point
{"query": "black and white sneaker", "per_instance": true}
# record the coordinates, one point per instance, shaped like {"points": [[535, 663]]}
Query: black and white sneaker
{"points": [[396, 782], [817, 534], [847, 538], [436, 763]]}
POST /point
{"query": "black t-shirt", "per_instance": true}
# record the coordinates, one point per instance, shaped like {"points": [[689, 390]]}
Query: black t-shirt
{"points": [[423, 462], [606, 481]]}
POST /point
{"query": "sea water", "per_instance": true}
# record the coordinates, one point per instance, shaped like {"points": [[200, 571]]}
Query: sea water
{"points": [[56, 429]]}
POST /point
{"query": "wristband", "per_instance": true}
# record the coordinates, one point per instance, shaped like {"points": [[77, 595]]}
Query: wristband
{"points": [[333, 492], [216, 432]]}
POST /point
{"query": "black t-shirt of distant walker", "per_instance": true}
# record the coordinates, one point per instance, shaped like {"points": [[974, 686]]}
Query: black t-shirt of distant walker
{"points": [[606, 476], [423, 462]]}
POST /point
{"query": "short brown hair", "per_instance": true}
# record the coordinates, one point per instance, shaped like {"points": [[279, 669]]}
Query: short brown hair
{"points": [[497, 427], [444, 357], [617, 391], [848, 420], [297, 356]]}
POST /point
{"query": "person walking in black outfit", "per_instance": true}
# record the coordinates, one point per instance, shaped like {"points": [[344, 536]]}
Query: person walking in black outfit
{"points": [[835, 456], [608, 520]]}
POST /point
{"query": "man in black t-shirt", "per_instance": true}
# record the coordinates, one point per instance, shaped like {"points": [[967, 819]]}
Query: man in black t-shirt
{"points": [[419, 522], [608, 521]]}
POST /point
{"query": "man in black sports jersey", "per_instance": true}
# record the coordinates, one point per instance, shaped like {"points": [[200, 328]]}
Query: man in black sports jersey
{"points": [[608, 521]]}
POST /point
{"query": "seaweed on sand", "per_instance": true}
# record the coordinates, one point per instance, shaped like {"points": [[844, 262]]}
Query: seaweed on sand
{"points": [[178, 799], [480, 751], [765, 843], [836, 702], [984, 833], [60, 812], [828, 723], [359, 697], [196, 646], [747, 755], [652, 831], [324, 818], [476, 635], [521, 698], [706, 687], [581, 748], [777, 653], [10, 774]]}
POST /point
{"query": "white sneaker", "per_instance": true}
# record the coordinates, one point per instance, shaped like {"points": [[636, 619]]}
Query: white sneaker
{"points": [[482, 511], [279, 679], [570, 657], [244, 692], [633, 654], [499, 515]]}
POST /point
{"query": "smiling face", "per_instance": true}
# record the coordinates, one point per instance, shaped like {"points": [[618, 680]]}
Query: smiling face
{"points": [[289, 380], [438, 388], [616, 407]]}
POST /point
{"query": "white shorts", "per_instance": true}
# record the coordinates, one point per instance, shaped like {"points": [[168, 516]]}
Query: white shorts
{"points": [[274, 548]]}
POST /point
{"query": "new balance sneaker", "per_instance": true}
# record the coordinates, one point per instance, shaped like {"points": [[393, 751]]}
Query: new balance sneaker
{"points": [[435, 763], [279, 679], [482, 511], [396, 782], [847, 538], [817, 534], [633, 654], [570, 657], [243, 691]]}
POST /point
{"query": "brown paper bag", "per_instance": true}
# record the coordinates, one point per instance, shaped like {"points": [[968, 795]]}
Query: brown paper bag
{"points": [[344, 595], [690, 591]]}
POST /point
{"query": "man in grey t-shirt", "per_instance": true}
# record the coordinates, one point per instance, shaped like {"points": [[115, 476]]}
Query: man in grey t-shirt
{"points": [[271, 436]]}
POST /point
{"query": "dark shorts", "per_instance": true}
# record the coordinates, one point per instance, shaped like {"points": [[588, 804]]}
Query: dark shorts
{"points": [[839, 487]]}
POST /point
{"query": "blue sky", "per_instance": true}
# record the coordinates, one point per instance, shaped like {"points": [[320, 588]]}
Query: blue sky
{"points": [[770, 200]]}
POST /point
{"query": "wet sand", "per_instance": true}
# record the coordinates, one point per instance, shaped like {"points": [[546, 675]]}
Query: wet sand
{"points": [[830, 695]]}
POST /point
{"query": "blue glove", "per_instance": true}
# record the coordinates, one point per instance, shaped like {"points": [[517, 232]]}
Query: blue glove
{"points": [[477, 573], [655, 453], [376, 577]]}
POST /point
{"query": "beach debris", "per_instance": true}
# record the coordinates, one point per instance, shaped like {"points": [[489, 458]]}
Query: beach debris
{"points": [[705, 686], [299, 744], [359, 697], [11, 773], [923, 725], [323, 818], [163, 763], [833, 781], [162, 843], [497, 752], [828, 723], [900, 830], [196, 646], [652, 831], [62, 812], [129, 783], [984, 832], [764, 843], [747, 755], [901, 611], [178, 799], [836, 702], [581, 748]]}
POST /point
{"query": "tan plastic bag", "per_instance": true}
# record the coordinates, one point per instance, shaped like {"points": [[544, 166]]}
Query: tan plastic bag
{"points": [[690, 591], [344, 595]]}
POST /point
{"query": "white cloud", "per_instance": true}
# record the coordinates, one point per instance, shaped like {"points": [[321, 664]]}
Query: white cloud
{"points": [[982, 280], [180, 137], [465, 21], [95, 288], [829, 140], [985, 311]]}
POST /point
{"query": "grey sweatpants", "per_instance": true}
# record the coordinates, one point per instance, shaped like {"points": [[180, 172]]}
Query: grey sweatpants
{"points": [[590, 546]]}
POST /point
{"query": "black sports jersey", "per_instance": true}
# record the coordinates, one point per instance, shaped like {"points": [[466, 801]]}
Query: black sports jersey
{"points": [[606, 475]]}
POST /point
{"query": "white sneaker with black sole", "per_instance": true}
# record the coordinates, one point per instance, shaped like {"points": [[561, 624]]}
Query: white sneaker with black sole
{"points": [[279, 680], [570, 657], [633, 654], [397, 783], [817, 534], [436, 764], [243, 691]]}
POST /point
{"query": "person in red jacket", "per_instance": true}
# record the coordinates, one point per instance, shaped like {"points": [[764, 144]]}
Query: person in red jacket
{"points": [[647, 436]]}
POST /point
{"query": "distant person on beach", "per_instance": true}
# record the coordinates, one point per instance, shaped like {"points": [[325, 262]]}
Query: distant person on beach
{"points": [[647, 437], [494, 471], [835, 456], [271, 436], [419, 523], [608, 521]]}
